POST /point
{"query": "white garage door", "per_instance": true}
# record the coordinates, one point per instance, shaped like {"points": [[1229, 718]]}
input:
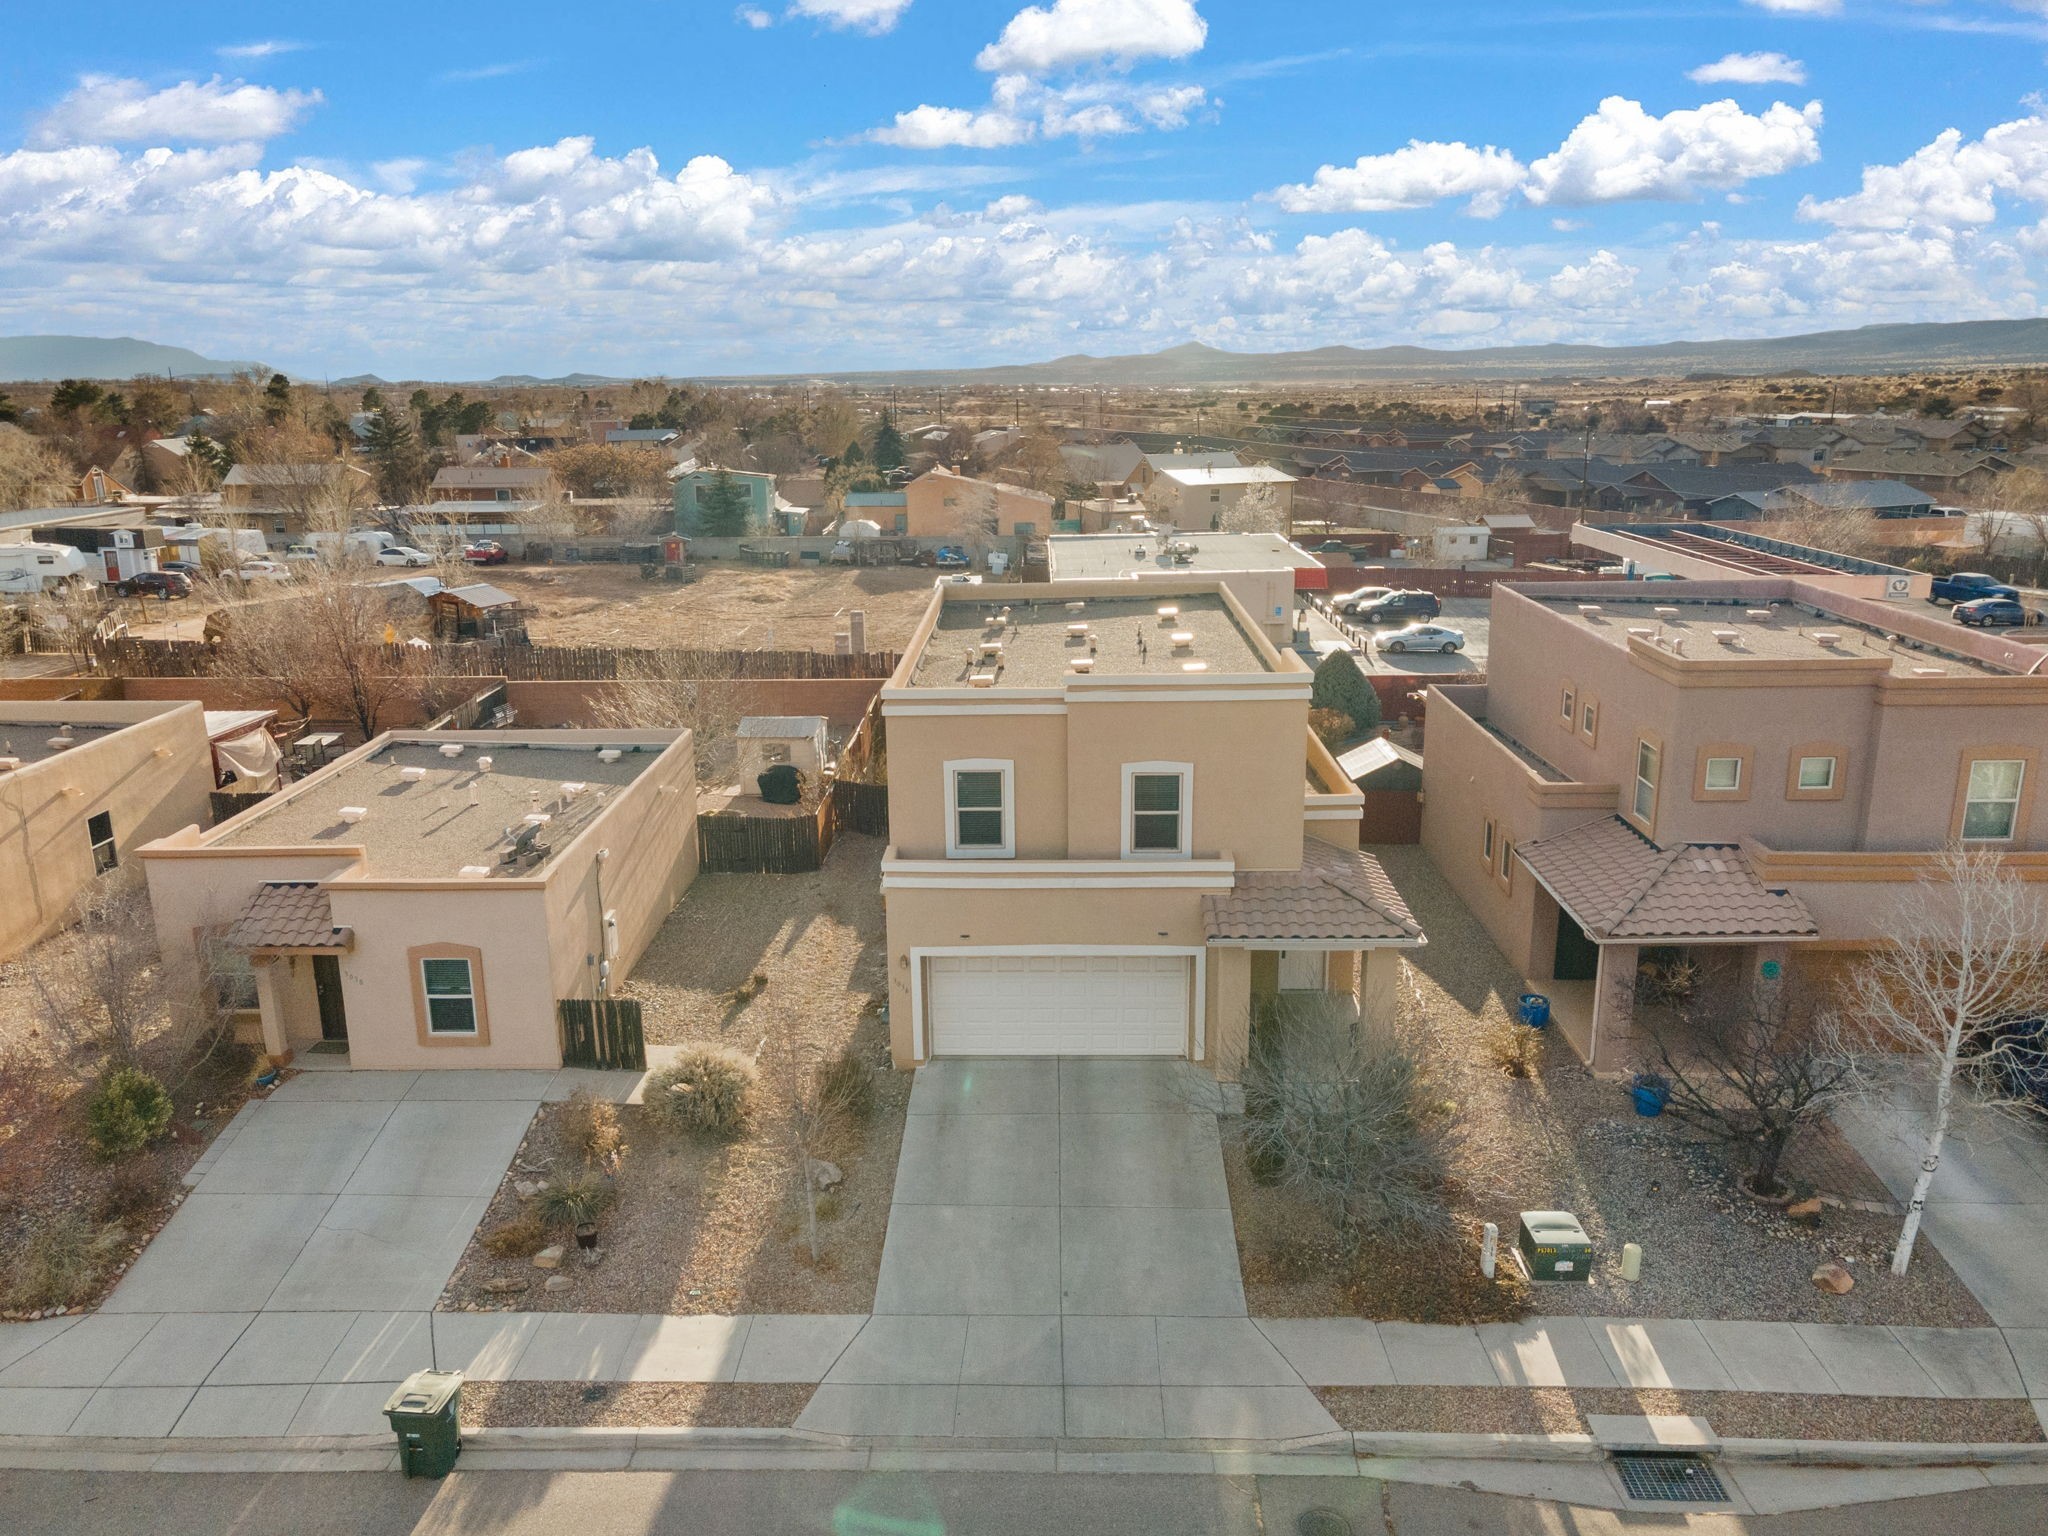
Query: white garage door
{"points": [[1057, 1005]]}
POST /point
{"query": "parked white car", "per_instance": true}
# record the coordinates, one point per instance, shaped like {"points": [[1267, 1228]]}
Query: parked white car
{"points": [[1423, 637], [404, 554], [263, 570]]}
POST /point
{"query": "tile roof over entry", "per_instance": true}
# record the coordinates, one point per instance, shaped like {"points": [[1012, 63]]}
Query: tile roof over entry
{"points": [[288, 915], [1338, 898], [1620, 886]]}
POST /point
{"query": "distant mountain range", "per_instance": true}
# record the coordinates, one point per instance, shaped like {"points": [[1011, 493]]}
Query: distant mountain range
{"points": [[1868, 349], [39, 358]]}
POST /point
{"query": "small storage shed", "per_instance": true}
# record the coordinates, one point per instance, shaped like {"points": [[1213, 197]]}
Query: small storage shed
{"points": [[766, 740], [1390, 778]]}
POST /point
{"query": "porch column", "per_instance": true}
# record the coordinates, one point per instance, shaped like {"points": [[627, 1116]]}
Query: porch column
{"points": [[1230, 1010], [1770, 964], [1614, 1006], [269, 971], [1379, 990]]}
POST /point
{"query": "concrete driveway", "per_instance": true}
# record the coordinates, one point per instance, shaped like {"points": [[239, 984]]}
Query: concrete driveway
{"points": [[1988, 1205], [1061, 1261]]}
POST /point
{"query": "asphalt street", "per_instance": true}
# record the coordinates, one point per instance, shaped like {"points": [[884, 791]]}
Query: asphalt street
{"points": [[758, 1503]]}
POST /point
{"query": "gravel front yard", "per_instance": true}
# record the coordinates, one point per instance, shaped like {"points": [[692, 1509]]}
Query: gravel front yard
{"points": [[631, 1404], [1563, 1139], [715, 1226]]}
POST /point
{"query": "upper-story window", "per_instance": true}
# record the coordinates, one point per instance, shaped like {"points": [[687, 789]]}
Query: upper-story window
{"points": [[1723, 774], [1816, 773], [980, 819], [1648, 762], [99, 831], [1991, 804], [1589, 719], [1568, 704], [1157, 810]]}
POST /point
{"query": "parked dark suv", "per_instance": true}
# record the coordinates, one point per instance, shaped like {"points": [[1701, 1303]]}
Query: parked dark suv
{"points": [[164, 584], [1401, 608]]}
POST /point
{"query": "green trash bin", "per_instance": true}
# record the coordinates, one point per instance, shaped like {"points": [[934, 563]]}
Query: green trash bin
{"points": [[425, 1413], [1555, 1247]]}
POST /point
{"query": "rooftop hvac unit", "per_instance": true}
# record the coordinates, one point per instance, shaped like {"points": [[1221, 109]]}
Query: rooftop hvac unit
{"points": [[9, 764], [1930, 671], [1589, 609], [983, 680], [354, 813], [1194, 666], [989, 649], [1182, 639], [1826, 637], [1168, 614], [1642, 631], [1080, 605], [573, 788], [474, 872], [451, 749], [1728, 636], [1665, 613], [1081, 664], [536, 818], [1078, 631], [483, 765], [606, 755], [1757, 613], [412, 775], [61, 743]]}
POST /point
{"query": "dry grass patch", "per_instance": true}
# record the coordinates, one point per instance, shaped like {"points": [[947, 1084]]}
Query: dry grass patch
{"points": [[632, 1404], [705, 1223]]}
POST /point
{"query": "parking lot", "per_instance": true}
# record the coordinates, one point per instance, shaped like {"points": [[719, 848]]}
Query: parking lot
{"points": [[1466, 614]]}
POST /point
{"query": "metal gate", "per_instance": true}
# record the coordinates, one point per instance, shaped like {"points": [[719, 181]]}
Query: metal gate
{"points": [[602, 1032]]}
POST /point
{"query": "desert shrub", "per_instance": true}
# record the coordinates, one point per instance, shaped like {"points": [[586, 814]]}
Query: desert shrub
{"points": [[1513, 1046], [128, 1111], [590, 1126], [130, 1190], [707, 1088], [61, 1262], [520, 1238], [1330, 725], [1347, 1117], [575, 1201], [848, 1085]]}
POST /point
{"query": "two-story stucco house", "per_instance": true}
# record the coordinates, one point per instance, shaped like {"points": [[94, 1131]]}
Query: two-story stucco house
{"points": [[1740, 775], [1111, 830]]}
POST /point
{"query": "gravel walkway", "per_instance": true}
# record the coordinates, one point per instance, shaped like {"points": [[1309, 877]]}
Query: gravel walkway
{"points": [[1565, 1140], [704, 1226]]}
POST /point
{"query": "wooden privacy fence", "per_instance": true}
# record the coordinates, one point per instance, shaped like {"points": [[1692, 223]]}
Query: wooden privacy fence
{"points": [[862, 807], [602, 1032], [733, 844]]}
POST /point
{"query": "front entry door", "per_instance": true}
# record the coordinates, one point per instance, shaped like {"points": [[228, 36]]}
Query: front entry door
{"points": [[327, 985], [1577, 957]]}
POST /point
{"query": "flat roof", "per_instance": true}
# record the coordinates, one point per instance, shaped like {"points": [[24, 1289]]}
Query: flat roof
{"points": [[1224, 474], [1037, 647], [453, 815], [1094, 556], [30, 740], [1760, 627]]}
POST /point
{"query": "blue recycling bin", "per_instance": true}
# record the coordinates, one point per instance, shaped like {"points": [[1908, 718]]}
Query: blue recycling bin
{"points": [[1535, 1010], [1650, 1092]]}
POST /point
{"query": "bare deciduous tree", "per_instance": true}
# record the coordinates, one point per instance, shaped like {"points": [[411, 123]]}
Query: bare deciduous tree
{"points": [[32, 474], [1258, 510], [1965, 953], [651, 695], [1754, 1069], [95, 981]]}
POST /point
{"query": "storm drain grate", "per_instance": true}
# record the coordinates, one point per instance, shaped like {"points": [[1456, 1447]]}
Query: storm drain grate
{"points": [[1671, 1477]]}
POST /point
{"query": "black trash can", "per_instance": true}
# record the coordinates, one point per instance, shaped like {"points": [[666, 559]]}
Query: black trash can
{"points": [[425, 1414]]}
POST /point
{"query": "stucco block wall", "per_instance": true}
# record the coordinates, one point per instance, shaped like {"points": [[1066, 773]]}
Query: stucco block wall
{"points": [[45, 847], [842, 701], [190, 893]]}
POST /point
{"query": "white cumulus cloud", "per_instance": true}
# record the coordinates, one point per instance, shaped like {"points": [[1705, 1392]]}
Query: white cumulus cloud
{"points": [[1750, 69], [1950, 183], [1040, 40], [927, 127], [1799, 7], [105, 109], [1621, 152], [1411, 177], [871, 16], [1021, 108]]}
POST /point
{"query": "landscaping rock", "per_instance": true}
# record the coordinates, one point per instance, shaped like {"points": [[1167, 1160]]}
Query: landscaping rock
{"points": [[824, 1175], [1834, 1279], [1804, 1210], [505, 1286], [548, 1258], [527, 1189], [558, 1283]]}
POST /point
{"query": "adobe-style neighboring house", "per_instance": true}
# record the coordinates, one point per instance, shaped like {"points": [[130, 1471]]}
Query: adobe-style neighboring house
{"points": [[427, 899], [1196, 498], [1262, 570], [495, 482], [1952, 475], [280, 499], [81, 787], [1740, 773], [940, 504], [1101, 839]]}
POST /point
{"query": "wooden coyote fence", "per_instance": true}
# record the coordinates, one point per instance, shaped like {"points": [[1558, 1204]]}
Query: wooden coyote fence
{"points": [[130, 657], [862, 807], [602, 1032], [734, 844]]}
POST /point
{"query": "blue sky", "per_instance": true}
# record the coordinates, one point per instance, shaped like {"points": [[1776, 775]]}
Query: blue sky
{"points": [[825, 184]]}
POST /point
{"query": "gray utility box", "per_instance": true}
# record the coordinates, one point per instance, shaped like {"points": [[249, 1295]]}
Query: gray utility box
{"points": [[1555, 1247]]}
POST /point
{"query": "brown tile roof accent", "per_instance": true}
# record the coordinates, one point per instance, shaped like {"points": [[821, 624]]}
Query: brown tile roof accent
{"points": [[1619, 885], [1338, 896], [288, 915]]}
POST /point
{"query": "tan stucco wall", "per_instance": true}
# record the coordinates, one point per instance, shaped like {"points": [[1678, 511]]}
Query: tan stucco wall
{"points": [[188, 894], [45, 849], [1193, 508], [927, 516]]}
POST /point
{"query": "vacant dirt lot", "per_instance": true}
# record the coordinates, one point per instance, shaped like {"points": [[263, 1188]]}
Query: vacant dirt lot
{"points": [[726, 607], [712, 1225]]}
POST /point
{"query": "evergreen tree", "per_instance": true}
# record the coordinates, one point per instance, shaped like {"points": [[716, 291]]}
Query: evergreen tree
{"points": [[1339, 685], [853, 456], [888, 452], [277, 399], [395, 450], [722, 507], [373, 399]]}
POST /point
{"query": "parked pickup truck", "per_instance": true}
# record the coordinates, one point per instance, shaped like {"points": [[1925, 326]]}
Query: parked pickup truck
{"points": [[1965, 585]]}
